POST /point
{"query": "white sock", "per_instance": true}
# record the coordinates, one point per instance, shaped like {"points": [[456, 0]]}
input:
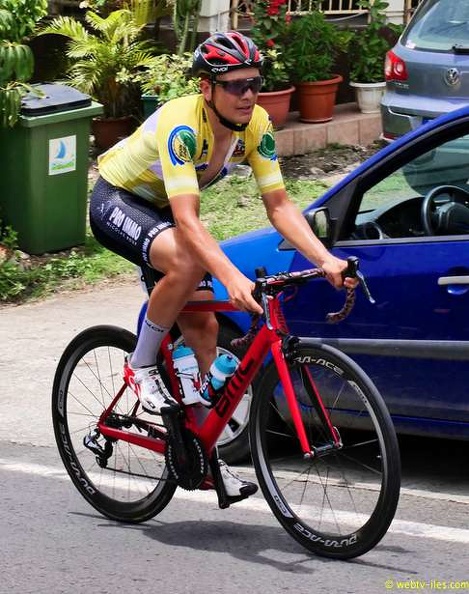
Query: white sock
{"points": [[148, 344]]}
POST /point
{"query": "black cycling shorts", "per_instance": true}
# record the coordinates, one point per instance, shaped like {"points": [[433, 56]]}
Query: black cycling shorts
{"points": [[127, 224]]}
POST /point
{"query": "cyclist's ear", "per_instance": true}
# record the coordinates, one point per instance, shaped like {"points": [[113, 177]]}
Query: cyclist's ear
{"points": [[206, 88]]}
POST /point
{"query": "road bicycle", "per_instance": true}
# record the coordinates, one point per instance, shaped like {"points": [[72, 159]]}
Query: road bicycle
{"points": [[323, 444]]}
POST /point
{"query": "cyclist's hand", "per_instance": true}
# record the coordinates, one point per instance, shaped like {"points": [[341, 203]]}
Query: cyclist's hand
{"points": [[333, 267], [240, 290]]}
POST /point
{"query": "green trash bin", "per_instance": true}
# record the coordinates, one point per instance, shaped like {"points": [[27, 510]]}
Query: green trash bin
{"points": [[150, 104], [44, 169]]}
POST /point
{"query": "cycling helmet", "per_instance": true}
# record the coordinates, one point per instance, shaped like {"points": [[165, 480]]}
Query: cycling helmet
{"points": [[225, 52]]}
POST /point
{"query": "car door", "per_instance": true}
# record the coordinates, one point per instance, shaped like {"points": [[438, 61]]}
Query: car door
{"points": [[414, 342]]}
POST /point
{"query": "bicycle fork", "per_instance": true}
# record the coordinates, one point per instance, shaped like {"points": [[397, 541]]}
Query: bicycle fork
{"points": [[278, 350]]}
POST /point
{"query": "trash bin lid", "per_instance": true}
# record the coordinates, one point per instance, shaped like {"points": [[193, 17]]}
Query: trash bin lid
{"points": [[52, 99]]}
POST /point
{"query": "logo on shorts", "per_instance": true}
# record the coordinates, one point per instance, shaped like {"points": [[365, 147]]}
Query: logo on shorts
{"points": [[182, 145], [124, 225], [266, 146]]}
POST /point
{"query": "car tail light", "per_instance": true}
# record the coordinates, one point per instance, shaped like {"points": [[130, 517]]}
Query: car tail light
{"points": [[394, 67]]}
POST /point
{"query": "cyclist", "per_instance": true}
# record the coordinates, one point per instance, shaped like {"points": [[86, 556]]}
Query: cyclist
{"points": [[145, 207]]}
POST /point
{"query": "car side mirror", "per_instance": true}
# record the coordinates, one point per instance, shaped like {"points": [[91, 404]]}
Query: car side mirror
{"points": [[319, 221]]}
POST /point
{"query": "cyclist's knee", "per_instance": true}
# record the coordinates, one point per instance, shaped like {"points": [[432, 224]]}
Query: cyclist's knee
{"points": [[200, 330], [183, 270]]}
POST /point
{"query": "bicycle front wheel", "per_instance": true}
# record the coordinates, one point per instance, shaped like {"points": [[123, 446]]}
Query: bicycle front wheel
{"points": [[340, 502], [132, 485]]}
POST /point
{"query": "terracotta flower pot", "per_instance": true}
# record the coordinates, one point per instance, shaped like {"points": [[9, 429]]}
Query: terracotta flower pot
{"points": [[316, 100], [277, 105], [108, 131]]}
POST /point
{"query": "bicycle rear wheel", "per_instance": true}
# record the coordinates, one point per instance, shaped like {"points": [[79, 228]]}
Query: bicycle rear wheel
{"points": [[340, 503], [132, 486]]}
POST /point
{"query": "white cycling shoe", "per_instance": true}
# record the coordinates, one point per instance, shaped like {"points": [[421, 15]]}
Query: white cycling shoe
{"points": [[236, 488], [150, 389]]}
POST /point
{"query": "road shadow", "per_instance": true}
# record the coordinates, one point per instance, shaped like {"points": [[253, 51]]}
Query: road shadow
{"points": [[254, 543]]}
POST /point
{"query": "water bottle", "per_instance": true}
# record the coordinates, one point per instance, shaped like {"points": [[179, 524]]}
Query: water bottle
{"points": [[221, 369], [187, 370]]}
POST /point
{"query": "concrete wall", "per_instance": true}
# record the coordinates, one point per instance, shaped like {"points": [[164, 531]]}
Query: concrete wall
{"points": [[214, 15], [395, 11]]}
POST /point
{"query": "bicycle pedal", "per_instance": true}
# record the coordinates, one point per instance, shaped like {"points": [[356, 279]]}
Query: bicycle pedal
{"points": [[90, 442]]}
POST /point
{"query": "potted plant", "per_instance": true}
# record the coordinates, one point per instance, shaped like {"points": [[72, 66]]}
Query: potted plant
{"points": [[312, 47], [18, 21], [166, 77], [367, 57], [269, 32], [106, 57]]}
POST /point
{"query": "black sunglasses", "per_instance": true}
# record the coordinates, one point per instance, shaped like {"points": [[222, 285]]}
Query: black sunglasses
{"points": [[242, 85]]}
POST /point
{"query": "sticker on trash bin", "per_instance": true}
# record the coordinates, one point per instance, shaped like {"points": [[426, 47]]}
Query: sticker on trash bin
{"points": [[62, 155]]}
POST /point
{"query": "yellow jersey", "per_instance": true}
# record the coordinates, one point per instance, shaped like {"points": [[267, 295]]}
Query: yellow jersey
{"points": [[167, 154]]}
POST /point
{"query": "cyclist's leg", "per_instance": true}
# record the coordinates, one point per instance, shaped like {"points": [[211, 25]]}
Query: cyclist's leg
{"points": [[144, 234], [181, 276], [200, 331]]}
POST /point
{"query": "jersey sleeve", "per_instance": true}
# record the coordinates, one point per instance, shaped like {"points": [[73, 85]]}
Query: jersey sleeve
{"points": [[262, 156], [177, 145]]}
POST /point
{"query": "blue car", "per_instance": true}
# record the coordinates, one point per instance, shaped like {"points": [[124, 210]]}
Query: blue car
{"points": [[405, 213]]}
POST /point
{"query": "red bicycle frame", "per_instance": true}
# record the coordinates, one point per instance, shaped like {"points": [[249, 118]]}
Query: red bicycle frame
{"points": [[268, 339]]}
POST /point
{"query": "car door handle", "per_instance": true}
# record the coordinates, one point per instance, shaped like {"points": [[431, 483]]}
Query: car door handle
{"points": [[453, 280]]}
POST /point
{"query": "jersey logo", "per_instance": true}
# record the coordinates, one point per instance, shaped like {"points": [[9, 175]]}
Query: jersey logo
{"points": [[240, 149], [266, 146], [182, 145]]}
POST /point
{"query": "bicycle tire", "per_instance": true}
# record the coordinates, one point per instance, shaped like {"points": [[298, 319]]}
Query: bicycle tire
{"points": [[338, 504], [133, 487]]}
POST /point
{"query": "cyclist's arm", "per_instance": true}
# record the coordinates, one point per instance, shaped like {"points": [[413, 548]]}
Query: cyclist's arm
{"points": [[291, 224], [282, 213], [198, 240]]}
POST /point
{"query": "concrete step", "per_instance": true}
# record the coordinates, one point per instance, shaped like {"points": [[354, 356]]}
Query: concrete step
{"points": [[348, 126]]}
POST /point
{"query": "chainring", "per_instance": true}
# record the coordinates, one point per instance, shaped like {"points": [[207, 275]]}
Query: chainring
{"points": [[188, 469]]}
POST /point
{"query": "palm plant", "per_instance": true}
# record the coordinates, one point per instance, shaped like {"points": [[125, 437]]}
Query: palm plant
{"points": [[105, 57]]}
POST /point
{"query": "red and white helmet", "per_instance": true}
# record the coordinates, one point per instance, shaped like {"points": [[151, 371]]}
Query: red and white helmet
{"points": [[225, 52]]}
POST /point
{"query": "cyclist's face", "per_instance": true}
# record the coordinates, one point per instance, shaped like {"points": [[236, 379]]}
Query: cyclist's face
{"points": [[234, 94]]}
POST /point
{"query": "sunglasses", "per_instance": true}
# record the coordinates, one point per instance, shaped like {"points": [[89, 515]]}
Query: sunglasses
{"points": [[242, 85]]}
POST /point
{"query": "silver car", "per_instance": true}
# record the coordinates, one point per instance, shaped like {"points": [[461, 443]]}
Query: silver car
{"points": [[427, 71]]}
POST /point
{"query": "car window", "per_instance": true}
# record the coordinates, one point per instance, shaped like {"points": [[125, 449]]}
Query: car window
{"points": [[439, 25], [427, 196]]}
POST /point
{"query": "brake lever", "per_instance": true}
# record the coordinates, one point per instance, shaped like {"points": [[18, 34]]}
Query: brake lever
{"points": [[353, 271]]}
